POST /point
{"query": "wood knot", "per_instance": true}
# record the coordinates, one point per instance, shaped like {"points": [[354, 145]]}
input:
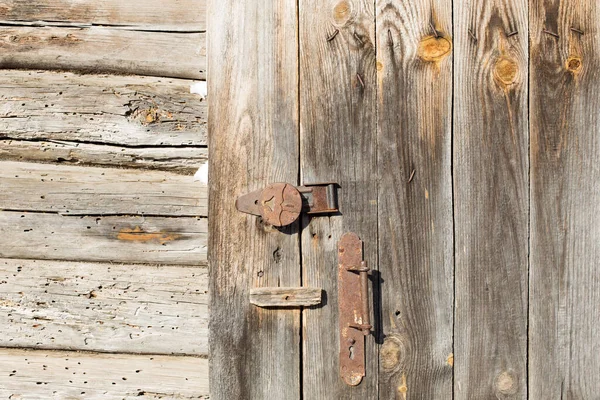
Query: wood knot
{"points": [[342, 12], [506, 71], [506, 383], [574, 64], [390, 353], [434, 48]]}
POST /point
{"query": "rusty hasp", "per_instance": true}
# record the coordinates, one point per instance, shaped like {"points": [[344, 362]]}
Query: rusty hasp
{"points": [[280, 204], [353, 299]]}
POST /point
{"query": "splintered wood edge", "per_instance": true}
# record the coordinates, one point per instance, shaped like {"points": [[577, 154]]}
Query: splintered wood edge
{"points": [[285, 297]]}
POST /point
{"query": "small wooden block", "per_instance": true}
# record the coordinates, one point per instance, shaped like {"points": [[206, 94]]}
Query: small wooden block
{"points": [[285, 296]]}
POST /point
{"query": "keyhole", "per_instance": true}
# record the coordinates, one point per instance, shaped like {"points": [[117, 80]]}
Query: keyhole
{"points": [[351, 352]]}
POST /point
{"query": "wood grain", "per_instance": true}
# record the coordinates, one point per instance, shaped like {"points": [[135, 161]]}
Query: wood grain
{"points": [[101, 109], [33, 375], [103, 307], [491, 203], [180, 160], [149, 15], [338, 144], [104, 50], [414, 75], [285, 297], [564, 290], [69, 190], [253, 125], [127, 239]]}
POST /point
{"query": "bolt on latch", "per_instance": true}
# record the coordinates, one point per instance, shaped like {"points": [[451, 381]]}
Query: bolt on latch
{"points": [[280, 204], [353, 300]]}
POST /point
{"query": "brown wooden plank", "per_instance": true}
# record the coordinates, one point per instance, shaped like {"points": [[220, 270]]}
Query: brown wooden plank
{"points": [[34, 375], [491, 204], [415, 198], [565, 203], [338, 144], [72, 190], [104, 50], [127, 239], [155, 15], [285, 297], [253, 126], [103, 307], [101, 109], [181, 160]]}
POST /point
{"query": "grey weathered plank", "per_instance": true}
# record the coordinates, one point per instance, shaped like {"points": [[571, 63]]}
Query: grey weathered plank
{"points": [[285, 296], [119, 110], [253, 124], [34, 375], [104, 50], [416, 261], [72, 190], [103, 307], [564, 295], [491, 201], [154, 15], [181, 160], [338, 144], [127, 239]]}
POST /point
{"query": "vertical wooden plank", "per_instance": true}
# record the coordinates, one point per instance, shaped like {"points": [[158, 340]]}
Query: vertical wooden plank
{"points": [[491, 203], [338, 143], [414, 71], [253, 123], [565, 200]]}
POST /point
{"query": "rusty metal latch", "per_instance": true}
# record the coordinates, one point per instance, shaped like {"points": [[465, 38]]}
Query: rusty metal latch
{"points": [[280, 204], [353, 299]]}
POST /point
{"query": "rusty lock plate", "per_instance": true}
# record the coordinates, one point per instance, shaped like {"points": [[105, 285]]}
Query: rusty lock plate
{"points": [[280, 204], [353, 298]]}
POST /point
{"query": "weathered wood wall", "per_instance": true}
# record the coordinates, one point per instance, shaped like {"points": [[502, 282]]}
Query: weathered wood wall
{"points": [[103, 230], [465, 137]]}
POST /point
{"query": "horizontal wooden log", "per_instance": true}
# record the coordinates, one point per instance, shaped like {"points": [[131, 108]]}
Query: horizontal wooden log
{"points": [[103, 307], [126, 239], [104, 50], [72, 190], [181, 160], [155, 15], [36, 374], [285, 297], [120, 110]]}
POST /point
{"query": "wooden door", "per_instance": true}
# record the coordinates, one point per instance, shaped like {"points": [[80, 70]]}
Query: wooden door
{"points": [[462, 135]]}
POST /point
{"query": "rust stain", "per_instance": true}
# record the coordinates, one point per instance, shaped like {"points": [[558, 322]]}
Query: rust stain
{"points": [[434, 49], [506, 71], [450, 360], [574, 64], [342, 12], [138, 235]]}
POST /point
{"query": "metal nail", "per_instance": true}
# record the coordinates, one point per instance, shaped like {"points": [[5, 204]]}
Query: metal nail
{"points": [[360, 80], [333, 35], [358, 39], [472, 35], [435, 32], [577, 30]]}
